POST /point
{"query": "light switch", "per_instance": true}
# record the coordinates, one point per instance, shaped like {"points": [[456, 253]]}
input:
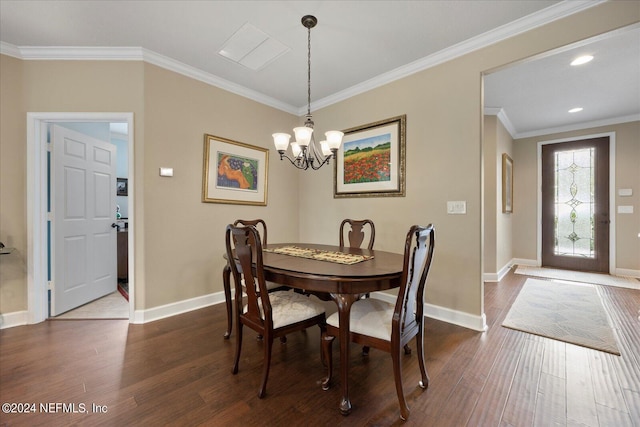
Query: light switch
{"points": [[166, 171], [625, 192], [457, 207], [625, 209]]}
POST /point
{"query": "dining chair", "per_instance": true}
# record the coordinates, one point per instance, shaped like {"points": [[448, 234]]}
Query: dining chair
{"points": [[261, 226], [270, 314], [356, 237], [390, 327], [356, 233]]}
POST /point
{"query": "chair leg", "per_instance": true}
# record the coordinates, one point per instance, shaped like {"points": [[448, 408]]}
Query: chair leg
{"points": [[226, 282], [365, 350], [397, 374], [407, 349], [234, 370], [424, 383], [267, 364], [327, 341]]}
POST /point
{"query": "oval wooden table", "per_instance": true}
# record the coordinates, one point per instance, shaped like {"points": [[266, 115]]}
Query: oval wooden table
{"points": [[342, 282]]}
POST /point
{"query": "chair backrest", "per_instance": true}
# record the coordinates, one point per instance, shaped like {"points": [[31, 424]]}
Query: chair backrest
{"points": [[257, 223], [356, 234], [418, 254], [243, 244]]}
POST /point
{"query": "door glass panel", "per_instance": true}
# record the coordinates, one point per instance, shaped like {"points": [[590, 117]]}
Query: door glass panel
{"points": [[574, 203]]}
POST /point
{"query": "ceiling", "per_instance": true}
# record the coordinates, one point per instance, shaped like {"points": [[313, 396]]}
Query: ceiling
{"points": [[356, 46]]}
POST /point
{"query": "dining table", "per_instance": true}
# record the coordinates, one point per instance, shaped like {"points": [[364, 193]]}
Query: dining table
{"points": [[343, 283]]}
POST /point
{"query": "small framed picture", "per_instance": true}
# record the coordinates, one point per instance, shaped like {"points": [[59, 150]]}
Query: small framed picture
{"points": [[122, 186], [507, 184], [234, 172], [371, 160]]}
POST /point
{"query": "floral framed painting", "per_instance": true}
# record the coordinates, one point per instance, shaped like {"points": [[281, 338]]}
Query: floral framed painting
{"points": [[371, 160], [234, 172]]}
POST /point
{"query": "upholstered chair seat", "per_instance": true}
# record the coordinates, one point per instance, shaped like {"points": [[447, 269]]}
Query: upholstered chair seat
{"points": [[370, 316], [288, 307]]}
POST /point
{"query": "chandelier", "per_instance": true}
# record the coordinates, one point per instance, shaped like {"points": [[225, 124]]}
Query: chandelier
{"points": [[307, 153]]}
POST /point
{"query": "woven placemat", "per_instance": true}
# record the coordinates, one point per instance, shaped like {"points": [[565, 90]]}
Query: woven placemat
{"points": [[321, 255]]}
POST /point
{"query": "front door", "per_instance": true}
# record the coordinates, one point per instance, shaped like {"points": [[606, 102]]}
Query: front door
{"points": [[575, 205], [83, 196]]}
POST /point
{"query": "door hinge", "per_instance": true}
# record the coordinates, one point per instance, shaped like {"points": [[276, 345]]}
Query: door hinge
{"points": [[50, 285], [50, 216]]}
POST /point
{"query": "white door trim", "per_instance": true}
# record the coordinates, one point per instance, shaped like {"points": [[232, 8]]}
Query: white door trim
{"points": [[37, 303], [612, 194]]}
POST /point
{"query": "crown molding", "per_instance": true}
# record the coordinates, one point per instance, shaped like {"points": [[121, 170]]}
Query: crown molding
{"points": [[527, 23], [579, 126], [502, 116], [522, 25]]}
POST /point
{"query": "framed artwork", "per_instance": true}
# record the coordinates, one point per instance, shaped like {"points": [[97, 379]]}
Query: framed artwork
{"points": [[234, 172], [122, 186], [507, 184], [371, 160]]}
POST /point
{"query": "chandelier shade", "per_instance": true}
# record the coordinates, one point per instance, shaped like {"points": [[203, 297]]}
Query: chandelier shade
{"points": [[306, 152]]}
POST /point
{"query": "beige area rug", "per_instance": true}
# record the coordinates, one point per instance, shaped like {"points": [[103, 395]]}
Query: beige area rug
{"points": [[112, 306], [572, 313], [579, 276]]}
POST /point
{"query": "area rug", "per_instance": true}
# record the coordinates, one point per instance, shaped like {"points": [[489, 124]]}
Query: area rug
{"points": [[580, 276], [572, 313]]}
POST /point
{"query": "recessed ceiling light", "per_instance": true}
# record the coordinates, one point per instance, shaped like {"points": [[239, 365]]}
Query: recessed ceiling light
{"points": [[582, 60], [575, 110]]}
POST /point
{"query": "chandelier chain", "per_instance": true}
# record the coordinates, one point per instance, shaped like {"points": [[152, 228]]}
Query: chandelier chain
{"points": [[309, 71]]}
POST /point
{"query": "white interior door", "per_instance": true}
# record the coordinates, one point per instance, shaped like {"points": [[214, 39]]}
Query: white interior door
{"points": [[83, 195]]}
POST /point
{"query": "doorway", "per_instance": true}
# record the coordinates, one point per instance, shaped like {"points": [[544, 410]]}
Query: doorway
{"points": [[575, 204], [37, 204]]}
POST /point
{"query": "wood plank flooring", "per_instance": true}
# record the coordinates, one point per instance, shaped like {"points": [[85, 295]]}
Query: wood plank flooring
{"points": [[176, 371]]}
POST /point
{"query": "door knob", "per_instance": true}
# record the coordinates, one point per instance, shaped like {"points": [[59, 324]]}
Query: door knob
{"points": [[114, 225]]}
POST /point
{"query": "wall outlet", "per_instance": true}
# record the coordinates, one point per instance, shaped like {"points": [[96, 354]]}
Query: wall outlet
{"points": [[625, 209], [457, 207], [166, 171]]}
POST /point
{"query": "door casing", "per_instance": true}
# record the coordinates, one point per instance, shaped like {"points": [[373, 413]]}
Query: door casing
{"points": [[612, 186], [37, 217]]}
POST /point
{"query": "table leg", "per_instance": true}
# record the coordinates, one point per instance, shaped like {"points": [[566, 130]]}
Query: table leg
{"points": [[226, 282], [344, 302]]}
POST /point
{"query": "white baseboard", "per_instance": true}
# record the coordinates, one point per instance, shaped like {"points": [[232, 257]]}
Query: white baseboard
{"points": [[496, 277], [15, 318], [627, 272], [523, 261], [184, 306], [466, 320]]}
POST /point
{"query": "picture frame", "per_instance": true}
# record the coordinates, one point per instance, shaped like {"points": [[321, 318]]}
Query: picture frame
{"points": [[507, 184], [371, 160], [122, 186], [234, 172]]}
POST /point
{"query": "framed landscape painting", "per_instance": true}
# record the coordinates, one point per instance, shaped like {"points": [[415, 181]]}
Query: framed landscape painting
{"points": [[371, 160], [234, 172]]}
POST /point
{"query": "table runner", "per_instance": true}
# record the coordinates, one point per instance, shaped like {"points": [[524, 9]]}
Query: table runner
{"points": [[321, 255]]}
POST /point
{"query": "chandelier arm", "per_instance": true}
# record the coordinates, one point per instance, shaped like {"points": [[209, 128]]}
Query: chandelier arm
{"points": [[295, 162]]}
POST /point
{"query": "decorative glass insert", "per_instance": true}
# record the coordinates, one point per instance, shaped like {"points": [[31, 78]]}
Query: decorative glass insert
{"points": [[574, 203]]}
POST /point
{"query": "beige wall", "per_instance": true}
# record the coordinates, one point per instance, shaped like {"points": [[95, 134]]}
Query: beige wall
{"points": [[178, 248], [497, 225], [627, 175], [183, 236], [13, 216]]}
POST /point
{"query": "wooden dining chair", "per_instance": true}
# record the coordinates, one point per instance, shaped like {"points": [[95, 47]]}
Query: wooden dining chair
{"points": [[261, 226], [390, 327], [270, 314], [356, 233], [356, 237]]}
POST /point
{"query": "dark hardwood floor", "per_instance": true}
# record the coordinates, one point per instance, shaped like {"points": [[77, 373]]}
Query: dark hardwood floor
{"points": [[176, 371]]}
